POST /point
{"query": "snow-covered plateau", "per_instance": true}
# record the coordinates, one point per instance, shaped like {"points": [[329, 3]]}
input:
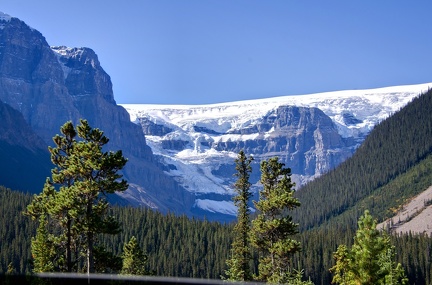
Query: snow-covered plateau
{"points": [[311, 134]]}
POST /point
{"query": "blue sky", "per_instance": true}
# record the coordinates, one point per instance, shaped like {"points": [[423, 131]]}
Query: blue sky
{"points": [[202, 51]]}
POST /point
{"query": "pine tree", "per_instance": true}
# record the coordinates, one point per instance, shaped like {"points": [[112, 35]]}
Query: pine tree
{"points": [[134, 259], [42, 249], [370, 261], [84, 175], [239, 269], [272, 228], [106, 261]]}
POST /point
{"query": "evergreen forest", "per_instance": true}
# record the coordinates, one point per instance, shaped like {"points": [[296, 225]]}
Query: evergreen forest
{"points": [[392, 165]]}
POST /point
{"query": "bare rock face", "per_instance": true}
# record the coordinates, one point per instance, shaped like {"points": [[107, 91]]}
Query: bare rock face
{"points": [[50, 86], [304, 138], [200, 151], [90, 89], [31, 79]]}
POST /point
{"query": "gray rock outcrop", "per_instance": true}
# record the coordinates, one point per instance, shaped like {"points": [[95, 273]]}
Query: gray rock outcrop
{"points": [[50, 86]]}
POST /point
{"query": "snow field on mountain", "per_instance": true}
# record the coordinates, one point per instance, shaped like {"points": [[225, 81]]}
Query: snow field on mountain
{"points": [[354, 112], [370, 106]]}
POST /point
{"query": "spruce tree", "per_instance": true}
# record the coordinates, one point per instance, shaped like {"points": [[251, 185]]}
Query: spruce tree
{"points": [[272, 228], [370, 261], [134, 259], [77, 212], [238, 265]]}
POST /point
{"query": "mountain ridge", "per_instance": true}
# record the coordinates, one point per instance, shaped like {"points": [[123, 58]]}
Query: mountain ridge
{"points": [[312, 134], [52, 85]]}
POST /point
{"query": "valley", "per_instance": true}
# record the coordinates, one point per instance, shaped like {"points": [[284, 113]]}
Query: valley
{"points": [[349, 151]]}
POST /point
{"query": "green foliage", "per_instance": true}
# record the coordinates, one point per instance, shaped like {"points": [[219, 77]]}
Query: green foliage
{"points": [[43, 251], [77, 212], [296, 278], [15, 231], [175, 245], [272, 228], [183, 247], [370, 261], [10, 269], [105, 261], [238, 265], [134, 259]]}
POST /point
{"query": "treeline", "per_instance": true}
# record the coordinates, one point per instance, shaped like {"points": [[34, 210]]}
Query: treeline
{"points": [[184, 247], [15, 231], [391, 149], [413, 251], [175, 245]]}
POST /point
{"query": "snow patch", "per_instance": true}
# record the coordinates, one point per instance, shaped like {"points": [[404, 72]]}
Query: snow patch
{"points": [[221, 207]]}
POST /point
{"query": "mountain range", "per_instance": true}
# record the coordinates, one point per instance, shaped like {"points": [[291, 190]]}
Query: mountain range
{"points": [[180, 158], [311, 134]]}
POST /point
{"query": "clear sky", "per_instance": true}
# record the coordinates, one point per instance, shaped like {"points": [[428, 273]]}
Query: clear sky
{"points": [[211, 51]]}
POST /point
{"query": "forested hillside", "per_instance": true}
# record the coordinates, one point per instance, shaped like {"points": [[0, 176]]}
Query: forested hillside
{"points": [[391, 149], [179, 246], [176, 245], [15, 230], [391, 166]]}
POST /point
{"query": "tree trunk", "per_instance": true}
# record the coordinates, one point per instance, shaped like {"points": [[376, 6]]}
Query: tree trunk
{"points": [[90, 238], [90, 258], [69, 246]]}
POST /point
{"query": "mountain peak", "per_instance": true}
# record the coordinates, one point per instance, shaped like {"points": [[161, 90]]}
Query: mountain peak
{"points": [[4, 17]]}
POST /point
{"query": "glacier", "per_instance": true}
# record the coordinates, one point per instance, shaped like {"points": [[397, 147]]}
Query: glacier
{"points": [[196, 142]]}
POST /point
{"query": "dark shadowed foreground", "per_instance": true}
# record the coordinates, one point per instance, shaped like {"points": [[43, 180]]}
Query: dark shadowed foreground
{"points": [[101, 279]]}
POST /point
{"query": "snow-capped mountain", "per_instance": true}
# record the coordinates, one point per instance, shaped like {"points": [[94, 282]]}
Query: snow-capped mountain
{"points": [[311, 134]]}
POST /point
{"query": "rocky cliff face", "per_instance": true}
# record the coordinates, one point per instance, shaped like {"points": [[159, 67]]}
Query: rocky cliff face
{"points": [[304, 138], [31, 79], [311, 134], [50, 86]]}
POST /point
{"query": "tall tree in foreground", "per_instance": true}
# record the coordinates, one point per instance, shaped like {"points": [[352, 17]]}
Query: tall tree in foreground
{"points": [[272, 228], [76, 213], [370, 261], [238, 265]]}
